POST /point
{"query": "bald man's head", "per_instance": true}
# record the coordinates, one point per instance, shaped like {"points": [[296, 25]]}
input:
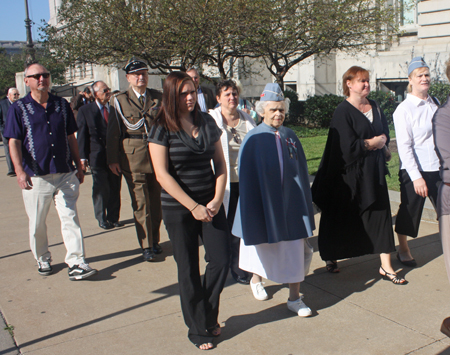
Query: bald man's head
{"points": [[37, 77]]}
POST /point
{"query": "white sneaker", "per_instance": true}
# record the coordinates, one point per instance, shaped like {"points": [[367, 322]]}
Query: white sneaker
{"points": [[258, 291], [299, 307]]}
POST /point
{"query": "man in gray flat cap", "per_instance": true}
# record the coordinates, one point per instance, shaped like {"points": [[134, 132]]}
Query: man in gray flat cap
{"points": [[127, 153]]}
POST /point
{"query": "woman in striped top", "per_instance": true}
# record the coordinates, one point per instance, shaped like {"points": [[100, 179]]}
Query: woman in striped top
{"points": [[182, 143]]}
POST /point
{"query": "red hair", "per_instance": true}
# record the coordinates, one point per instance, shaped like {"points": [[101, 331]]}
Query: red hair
{"points": [[351, 74], [168, 115]]}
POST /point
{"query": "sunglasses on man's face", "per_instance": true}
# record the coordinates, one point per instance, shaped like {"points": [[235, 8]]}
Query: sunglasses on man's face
{"points": [[38, 76], [105, 91]]}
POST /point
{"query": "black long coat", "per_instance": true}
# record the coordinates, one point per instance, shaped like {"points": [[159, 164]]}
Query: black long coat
{"points": [[350, 187]]}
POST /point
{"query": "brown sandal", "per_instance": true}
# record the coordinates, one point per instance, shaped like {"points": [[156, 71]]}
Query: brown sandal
{"points": [[393, 277]]}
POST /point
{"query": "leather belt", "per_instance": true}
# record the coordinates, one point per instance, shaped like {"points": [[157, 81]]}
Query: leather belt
{"points": [[136, 136], [446, 183]]}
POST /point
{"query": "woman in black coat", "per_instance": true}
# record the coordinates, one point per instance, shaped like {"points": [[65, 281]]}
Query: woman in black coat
{"points": [[350, 187]]}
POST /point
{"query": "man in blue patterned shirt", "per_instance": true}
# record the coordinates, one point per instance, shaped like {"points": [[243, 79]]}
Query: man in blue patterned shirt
{"points": [[43, 147]]}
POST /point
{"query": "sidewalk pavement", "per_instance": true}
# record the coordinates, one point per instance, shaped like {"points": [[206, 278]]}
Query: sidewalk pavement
{"points": [[132, 307]]}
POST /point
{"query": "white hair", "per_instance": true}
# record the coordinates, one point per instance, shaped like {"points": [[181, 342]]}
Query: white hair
{"points": [[11, 89], [260, 106]]}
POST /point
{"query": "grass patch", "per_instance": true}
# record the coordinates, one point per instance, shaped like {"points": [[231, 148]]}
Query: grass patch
{"points": [[10, 329], [313, 147], [303, 132], [393, 166]]}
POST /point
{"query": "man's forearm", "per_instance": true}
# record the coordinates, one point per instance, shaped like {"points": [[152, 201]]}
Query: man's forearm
{"points": [[73, 146], [15, 151]]}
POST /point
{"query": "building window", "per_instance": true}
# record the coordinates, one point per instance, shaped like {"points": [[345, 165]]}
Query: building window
{"points": [[408, 12], [290, 86]]}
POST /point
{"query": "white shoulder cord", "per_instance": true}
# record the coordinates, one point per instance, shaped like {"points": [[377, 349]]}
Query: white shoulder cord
{"points": [[132, 127]]}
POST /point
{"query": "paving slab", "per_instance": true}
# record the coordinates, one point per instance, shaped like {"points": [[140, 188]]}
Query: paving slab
{"points": [[133, 307]]}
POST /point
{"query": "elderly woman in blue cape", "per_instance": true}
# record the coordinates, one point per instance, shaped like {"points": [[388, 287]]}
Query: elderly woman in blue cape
{"points": [[275, 214]]}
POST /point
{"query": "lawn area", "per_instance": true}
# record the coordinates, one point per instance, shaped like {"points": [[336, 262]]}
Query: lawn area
{"points": [[314, 140]]}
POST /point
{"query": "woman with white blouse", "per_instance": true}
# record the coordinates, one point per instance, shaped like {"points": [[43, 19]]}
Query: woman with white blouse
{"points": [[419, 164], [234, 124]]}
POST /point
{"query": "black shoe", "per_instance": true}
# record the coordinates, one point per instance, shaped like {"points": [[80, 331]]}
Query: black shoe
{"points": [[117, 224], [80, 272], [244, 280], [105, 225], [408, 263], [157, 248], [11, 173], [148, 255], [45, 268]]}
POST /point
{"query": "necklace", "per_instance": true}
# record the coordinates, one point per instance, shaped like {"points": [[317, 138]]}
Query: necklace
{"points": [[232, 121]]}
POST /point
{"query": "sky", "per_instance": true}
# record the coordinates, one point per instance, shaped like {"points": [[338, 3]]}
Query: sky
{"points": [[12, 18]]}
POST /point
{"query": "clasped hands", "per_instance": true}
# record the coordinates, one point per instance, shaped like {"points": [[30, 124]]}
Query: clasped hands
{"points": [[377, 142], [206, 213]]}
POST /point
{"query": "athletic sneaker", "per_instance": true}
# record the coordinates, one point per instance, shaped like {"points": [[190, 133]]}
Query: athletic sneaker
{"points": [[81, 271], [299, 307], [45, 268], [258, 291]]}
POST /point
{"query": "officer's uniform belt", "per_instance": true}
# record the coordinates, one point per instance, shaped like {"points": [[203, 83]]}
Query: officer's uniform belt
{"points": [[136, 136]]}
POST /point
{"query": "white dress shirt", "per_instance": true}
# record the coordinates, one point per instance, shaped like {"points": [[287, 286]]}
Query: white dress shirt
{"points": [[100, 106], [414, 134], [139, 95], [201, 100]]}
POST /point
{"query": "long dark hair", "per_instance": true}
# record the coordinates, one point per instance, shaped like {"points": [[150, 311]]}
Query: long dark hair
{"points": [[168, 114]]}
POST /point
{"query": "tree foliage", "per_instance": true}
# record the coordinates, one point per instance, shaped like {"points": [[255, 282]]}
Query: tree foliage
{"points": [[11, 64], [387, 103], [173, 35], [439, 90], [294, 30]]}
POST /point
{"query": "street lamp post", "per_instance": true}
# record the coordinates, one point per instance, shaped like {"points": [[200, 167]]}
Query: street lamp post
{"points": [[30, 45]]}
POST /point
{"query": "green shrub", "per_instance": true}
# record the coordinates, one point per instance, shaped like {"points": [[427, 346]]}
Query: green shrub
{"points": [[295, 107], [387, 103], [318, 110], [439, 90]]}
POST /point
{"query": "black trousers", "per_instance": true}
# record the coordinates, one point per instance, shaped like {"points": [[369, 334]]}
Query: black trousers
{"points": [[199, 298], [7, 154], [106, 194], [234, 241], [411, 204]]}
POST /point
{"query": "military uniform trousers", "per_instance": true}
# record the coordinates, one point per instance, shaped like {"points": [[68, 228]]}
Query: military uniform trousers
{"points": [[145, 193]]}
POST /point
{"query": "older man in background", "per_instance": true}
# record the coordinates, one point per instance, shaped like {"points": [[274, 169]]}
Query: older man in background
{"points": [[12, 95], [205, 97], [92, 126]]}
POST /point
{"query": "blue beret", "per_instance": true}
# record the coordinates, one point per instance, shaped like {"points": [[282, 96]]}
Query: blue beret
{"points": [[416, 62], [272, 92]]}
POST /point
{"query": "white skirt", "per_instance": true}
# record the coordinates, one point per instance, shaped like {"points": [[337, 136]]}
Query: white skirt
{"points": [[281, 262]]}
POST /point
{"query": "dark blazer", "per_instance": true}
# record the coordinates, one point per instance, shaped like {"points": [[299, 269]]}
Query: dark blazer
{"points": [[91, 135], [76, 102], [210, 98], [4, 106]]}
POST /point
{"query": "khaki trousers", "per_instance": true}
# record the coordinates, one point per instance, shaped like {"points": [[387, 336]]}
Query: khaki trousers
{"points": [[63, 190], [145, 193]]}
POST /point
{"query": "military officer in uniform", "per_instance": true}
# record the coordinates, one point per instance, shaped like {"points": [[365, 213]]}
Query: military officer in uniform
{"points": [[129, 122]]}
